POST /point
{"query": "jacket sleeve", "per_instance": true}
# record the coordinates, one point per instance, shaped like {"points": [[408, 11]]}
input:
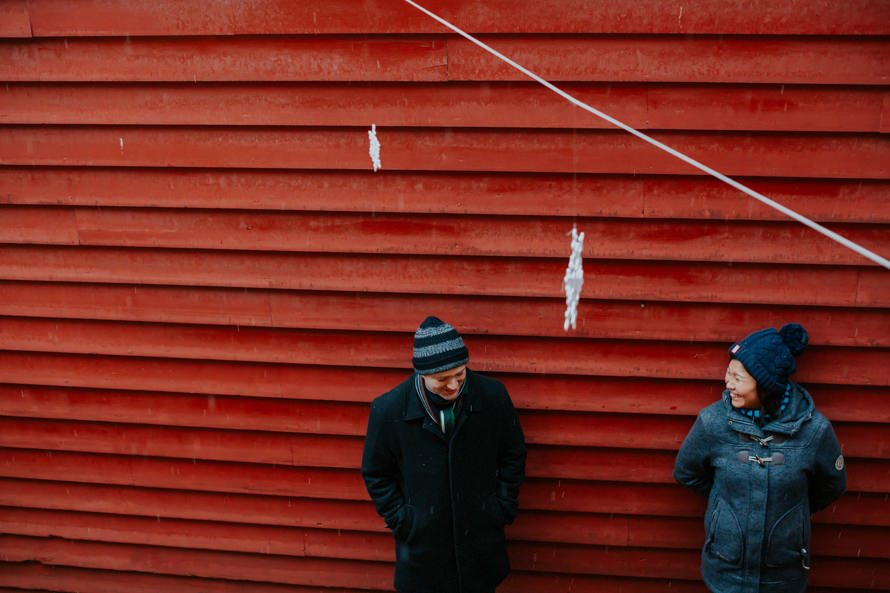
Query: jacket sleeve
{"points": [[693, 466], [511, 461], [828, 480], [380, 471]]}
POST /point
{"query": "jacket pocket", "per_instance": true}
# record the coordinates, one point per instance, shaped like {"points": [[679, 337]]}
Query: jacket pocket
{"points": [[493, 512], [725, 539], [406, 527], [788, 538]]}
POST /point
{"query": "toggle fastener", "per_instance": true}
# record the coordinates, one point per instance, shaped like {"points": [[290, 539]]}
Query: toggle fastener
{"points": [[777, 458], [763, 442]]}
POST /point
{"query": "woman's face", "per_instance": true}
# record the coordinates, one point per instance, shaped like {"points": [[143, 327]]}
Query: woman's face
{"points": [[742, 386]]}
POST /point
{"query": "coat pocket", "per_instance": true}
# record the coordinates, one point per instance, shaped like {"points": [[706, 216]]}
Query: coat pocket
{"points": [[406, 525], [788, 538], [725, 539], [493, 512]]}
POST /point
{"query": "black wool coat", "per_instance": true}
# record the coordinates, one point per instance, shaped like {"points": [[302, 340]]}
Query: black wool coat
{"points": [[446, 501]]}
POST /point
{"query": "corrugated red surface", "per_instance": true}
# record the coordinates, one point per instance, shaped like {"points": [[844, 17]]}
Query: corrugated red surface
{"points": [[52, 18], [502, 104], [203, 284]]}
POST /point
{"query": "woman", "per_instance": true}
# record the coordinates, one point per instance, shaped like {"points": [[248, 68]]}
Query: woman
{"points": [[766, 460]]}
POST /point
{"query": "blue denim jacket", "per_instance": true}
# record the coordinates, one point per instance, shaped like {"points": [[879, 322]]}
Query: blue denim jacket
{"points": [[762, 484]]}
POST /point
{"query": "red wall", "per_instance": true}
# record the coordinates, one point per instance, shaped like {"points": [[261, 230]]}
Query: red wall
{"points": [[203, 284]]}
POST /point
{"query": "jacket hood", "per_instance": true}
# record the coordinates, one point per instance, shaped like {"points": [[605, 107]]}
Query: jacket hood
{"points": [[800, 409]]}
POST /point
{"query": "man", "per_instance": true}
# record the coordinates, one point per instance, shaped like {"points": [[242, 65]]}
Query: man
{"points": [[444, 457]]}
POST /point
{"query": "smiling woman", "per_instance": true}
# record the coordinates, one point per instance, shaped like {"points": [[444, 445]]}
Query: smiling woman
{"points": [[766, 460], [741, 386]]}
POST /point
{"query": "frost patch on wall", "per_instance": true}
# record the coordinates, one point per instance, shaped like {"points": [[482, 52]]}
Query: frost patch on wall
{"points": [[573, 280], [374, 149]]}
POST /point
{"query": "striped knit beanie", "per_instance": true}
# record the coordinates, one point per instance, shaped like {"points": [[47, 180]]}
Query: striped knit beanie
{"points": [[438, 347], [768, 355]]}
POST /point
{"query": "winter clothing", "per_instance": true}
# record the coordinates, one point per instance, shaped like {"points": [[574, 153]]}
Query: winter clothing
{"points": [[768, 355], [446, 499], [762, 483], [440, 410], [761, 417], [438, 347]]}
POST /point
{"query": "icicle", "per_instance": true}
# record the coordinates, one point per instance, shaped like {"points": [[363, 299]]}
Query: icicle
{"points": [[374, 150], [574, 279]]}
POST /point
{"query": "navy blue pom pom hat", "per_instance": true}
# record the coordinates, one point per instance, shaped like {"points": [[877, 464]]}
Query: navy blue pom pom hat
{"points": [[438, 347], [768, 355]]}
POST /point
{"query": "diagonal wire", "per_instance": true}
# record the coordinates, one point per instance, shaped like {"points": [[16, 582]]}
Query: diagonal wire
{"points": [[756, 195]]}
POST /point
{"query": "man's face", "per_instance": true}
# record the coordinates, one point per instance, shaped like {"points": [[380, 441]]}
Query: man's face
{"points": [[447, 383]]}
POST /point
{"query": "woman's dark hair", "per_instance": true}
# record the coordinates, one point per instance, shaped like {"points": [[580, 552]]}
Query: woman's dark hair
{"points": [[769, 400]]}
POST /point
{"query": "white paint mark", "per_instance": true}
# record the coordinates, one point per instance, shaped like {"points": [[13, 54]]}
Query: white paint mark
{"points": [[374, 149], [680, 18], [122, 145], [574, 279]]}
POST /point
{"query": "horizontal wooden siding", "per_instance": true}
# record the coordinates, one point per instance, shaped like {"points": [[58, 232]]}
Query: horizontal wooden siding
{"points": [[203, 283]]}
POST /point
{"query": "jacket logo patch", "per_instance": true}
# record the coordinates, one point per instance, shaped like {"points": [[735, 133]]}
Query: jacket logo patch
{"points": [[839, 463], [736, 348]]}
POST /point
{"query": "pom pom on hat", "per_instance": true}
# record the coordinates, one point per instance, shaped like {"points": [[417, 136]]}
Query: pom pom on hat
{"points": [[768, 355], [794, 336], [438, 347]]}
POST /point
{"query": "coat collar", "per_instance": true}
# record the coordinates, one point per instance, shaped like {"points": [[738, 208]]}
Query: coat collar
{"points": [[799, 411], [413, 409]]}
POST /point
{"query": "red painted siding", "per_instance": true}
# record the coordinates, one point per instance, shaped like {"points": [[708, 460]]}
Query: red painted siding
{"points": [[203, 284]]}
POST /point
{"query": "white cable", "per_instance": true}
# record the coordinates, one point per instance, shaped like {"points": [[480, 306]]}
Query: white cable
{"points": [[757, 196]]}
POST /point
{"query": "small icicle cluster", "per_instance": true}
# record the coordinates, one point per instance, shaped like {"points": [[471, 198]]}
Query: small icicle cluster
{"points": [[374, 150], [573, 280]]}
